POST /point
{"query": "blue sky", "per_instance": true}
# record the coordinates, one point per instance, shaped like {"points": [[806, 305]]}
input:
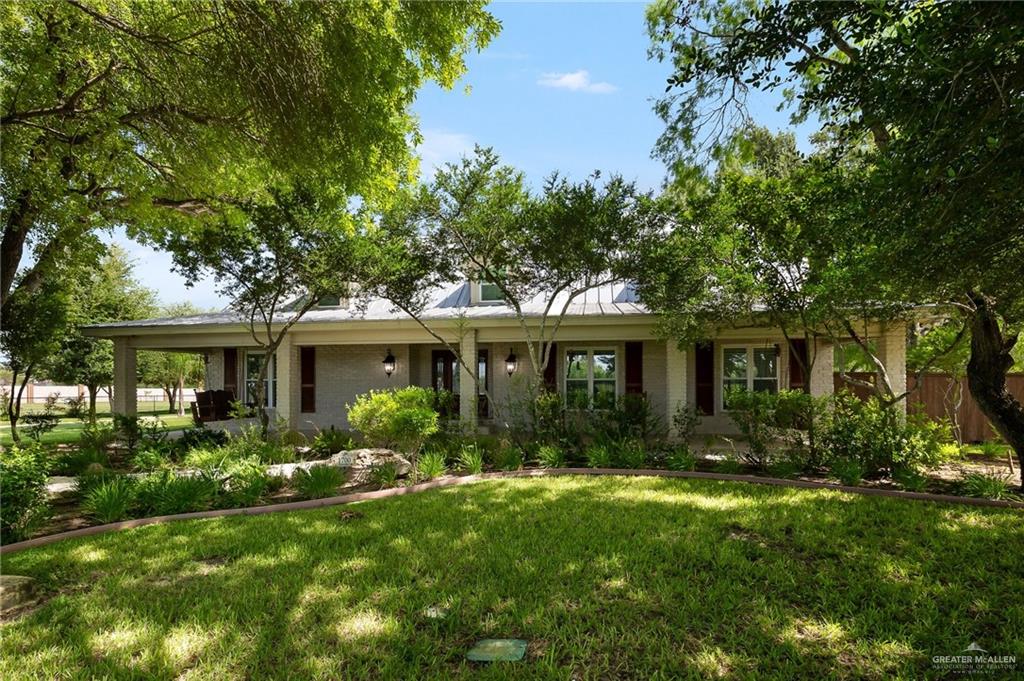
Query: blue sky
{"points": [[564, 86]]}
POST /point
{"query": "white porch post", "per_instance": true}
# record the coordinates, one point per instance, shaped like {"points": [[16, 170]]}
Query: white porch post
{"points": [[822, 369], [283, 362], [467, 386], [124, 397], [893, 351], [676, 383]]}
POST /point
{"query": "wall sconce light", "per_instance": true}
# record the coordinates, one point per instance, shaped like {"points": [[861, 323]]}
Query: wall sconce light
{"points": [[511, 362], [389, 364], [206, 358]]}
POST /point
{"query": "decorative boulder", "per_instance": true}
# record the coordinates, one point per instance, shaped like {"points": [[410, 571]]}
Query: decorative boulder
{"points": [[362, 461]]}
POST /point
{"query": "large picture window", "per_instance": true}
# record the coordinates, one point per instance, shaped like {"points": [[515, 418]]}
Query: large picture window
{"points": [[590, 379], [252, 373], [749, 368]]}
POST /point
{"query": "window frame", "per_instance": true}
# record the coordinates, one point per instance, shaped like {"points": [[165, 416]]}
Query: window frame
{"points": [[590, 351], [751, 376], [271, 378], [488, 301]]}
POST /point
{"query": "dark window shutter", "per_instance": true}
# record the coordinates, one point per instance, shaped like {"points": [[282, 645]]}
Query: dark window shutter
{"points": [[634, 368], [307, 373], [231, 371], [798, 364], [551, 370], [705, 375]]}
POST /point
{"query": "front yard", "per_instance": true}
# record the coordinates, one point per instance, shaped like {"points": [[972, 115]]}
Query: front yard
{"points": [[605, 577]]}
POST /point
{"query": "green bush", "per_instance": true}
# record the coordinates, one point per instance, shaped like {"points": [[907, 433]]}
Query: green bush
{"points": [[23, 477], [201, 436], [598, 455], [991, 450], [431, 465], [149, 460], [250, 444], [681, 459], [401, 418], [245, 483], [318, 482], [910, 479], [77, 461], [784, 468], [166, 493], [629, 453], [850, 472], [551, 456], [509, 458], [631, 418], [729, 467], [211, 459], [96, 436], [765, 418], [92, 477], [331, 441], [111, 500], [471, 459], [384, 476], [987, 486]]}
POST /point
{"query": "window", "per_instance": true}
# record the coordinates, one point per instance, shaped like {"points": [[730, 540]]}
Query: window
{"points": [[252, 372], [749, 368], [490, 293], [329, 301], [590, 379]]}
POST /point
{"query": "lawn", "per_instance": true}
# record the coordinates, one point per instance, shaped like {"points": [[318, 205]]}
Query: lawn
{"points": [[68, 430], [605, 577]]}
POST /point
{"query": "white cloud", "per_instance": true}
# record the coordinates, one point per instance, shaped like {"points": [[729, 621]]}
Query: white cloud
{"points": [[576, 81], [442, 146]]}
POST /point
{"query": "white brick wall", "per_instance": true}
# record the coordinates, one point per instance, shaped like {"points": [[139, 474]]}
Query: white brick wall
{"points": [[822, 380], [214, 370], [892, 349]]}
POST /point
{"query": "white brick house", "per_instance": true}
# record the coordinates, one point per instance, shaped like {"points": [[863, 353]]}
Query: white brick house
{"points": [[607, 345]]}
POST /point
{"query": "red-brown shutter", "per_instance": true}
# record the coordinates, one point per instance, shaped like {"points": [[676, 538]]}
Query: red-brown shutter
{"points": [[704, 354], [634, 368], [798, 364], [551, 370], [231, 371], [307, 373]]}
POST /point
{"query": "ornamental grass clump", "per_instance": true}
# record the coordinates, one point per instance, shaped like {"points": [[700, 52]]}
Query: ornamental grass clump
{"points": [[318, 482]]}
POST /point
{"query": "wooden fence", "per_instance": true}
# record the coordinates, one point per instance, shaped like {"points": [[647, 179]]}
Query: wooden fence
{"points": [[939, 395]]}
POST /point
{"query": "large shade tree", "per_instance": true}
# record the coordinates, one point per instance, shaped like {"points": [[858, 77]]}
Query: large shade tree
{"points": [[172, 371], [930, 94], [158, 114]]}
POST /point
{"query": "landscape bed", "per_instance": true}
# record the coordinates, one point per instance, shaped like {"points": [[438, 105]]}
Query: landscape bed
{"points": [[610, 577]]}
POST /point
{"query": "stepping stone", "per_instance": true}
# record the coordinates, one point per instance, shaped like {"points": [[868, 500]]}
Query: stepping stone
{"points": [[15, 590], [497, 650]]}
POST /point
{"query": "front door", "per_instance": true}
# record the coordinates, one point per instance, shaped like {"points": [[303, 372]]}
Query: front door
{"points": [[445, 379]]}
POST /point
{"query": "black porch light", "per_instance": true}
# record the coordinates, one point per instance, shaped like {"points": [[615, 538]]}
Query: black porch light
{"points": [[389, 364], [511, 362]]}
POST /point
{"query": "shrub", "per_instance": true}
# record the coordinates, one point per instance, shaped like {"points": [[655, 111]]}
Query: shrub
{"points": [[509, 458], [210, 459], [96, 436], [383, 476], [166, 493], [551, 456], [632, 417], [23, 506], [685, 420], [331, 441], [471, 459], [629, 453], [245, 483], [77, 461], [77, 408], [92, 477], [41, 422], [991, 450], [850, 471], [401, 418], [431, 465], [910, 479], [987, 486], [317, 482], [950, 451], [784, 468], [681, 459], [250, 444], [149, 460], [598, 456], [111, 500], [201, 436], [729, 467], [291, 438]]}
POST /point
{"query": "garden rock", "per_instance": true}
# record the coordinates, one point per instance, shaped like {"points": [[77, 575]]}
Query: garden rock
{"points": [[362, 461], [16, 591]]}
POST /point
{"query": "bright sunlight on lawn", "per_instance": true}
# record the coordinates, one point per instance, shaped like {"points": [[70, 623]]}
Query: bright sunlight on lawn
{"points": [[605, 577]]}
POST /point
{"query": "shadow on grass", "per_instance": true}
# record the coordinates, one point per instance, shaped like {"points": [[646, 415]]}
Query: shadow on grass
{"points": [[606, 577]]}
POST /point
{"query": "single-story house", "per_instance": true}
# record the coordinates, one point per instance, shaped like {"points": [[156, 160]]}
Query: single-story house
{"points": [[606, 345]]}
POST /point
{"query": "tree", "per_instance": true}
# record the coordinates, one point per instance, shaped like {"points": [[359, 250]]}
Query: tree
{"points": [[930, 95], [477, 222], [108, 292], [173, 370], [161, 115], [275, 267]]}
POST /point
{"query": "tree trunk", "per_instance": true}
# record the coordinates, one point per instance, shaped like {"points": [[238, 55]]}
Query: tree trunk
{"points": [[181, 395], [14, 413], [986, 374], [169, 391], [93, 391]]}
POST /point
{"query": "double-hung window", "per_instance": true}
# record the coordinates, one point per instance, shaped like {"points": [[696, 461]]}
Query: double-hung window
{"points": [[590, 379], [490, 293], [749, 368], [252, 373]]}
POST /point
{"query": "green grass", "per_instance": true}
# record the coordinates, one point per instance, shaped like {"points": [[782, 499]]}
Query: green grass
{"points": [[68, 430], [609, 577]]}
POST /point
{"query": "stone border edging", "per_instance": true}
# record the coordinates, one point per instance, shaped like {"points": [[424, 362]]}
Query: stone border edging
{"points": [[452, 481]]}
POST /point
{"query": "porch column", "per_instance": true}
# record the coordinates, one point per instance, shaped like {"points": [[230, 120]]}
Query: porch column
{"points": [[124, 397], [822, 382], [893, 351], [467, 386], [283, 362], [676, 383]]}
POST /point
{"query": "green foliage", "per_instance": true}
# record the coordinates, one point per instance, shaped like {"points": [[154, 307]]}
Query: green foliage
{"points": [[991, 450], [765, 418], [629, 453], [384, 476], [167, 493], [509, 458], [245, 483], [987, 486], [685, 421], [681, 459], [431, 465], [77, 461], [38, 423], [910, 479], [471, 459], [149, 460], [97, 436], [201, 436], [331, 441], [785, 468], [318, 482], [111, 500], [551, 456], [729, 466], [632, 417], [849, 471], [23, 477], [92, 477], [401, 418], [598, 455]]}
